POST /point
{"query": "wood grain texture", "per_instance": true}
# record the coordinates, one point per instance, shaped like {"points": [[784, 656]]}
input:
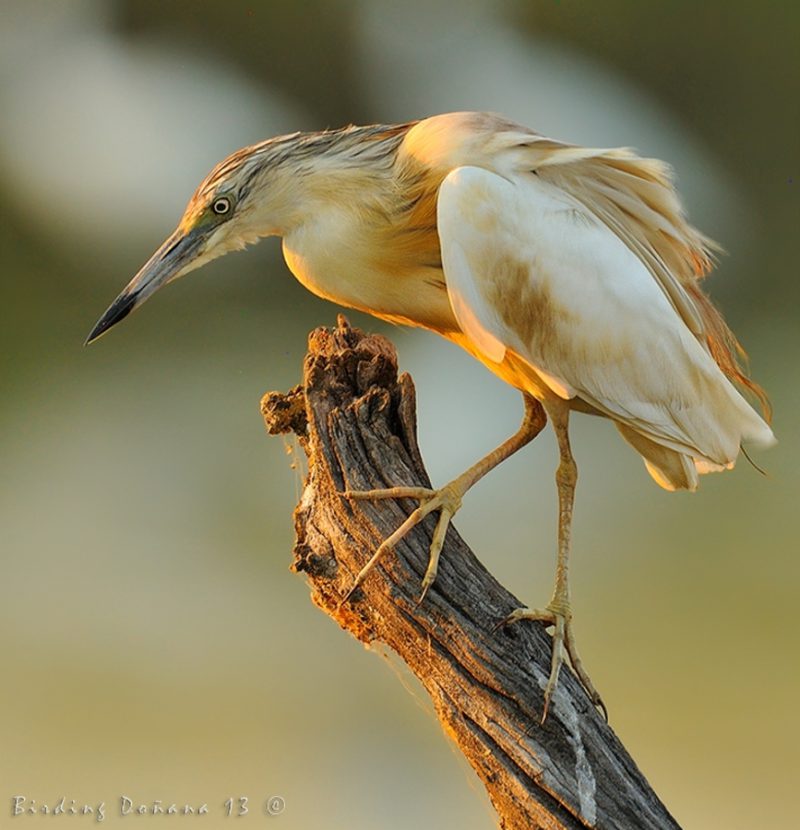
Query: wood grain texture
{"points": [[356, 421]]}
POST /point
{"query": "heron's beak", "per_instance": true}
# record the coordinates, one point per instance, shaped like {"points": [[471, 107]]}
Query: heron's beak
{"points": [[167, 263]]}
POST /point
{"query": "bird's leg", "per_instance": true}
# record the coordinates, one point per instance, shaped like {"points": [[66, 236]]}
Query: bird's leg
{"points": [[447, 500], [558, 611]]}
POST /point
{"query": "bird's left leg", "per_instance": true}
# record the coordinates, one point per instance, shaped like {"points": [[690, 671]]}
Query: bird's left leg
{"points": [[558, 612], [446, 500]]}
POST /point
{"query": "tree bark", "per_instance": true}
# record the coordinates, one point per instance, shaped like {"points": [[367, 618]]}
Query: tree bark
{"points": [[356, 421]]}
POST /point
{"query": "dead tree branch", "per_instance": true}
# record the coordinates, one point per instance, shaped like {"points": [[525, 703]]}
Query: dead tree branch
{"points": [[356, 422]]}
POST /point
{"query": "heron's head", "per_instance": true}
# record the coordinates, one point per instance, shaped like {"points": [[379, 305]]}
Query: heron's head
{"points": [[263, 190], [234, 206]]}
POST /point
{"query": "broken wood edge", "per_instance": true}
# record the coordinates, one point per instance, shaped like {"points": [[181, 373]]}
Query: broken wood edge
{"points": [[355, 419]]}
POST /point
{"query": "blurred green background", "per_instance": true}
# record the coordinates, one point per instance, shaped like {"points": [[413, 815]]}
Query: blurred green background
{"points": [[153, 642]]}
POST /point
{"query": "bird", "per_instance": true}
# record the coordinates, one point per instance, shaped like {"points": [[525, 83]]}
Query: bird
{"points": [[570, 272]]}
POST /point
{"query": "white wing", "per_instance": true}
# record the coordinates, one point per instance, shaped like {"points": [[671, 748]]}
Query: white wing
{"points": [[532, 269]]}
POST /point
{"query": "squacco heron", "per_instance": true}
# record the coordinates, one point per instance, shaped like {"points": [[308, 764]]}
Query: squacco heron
{"points": [[570, 272]]}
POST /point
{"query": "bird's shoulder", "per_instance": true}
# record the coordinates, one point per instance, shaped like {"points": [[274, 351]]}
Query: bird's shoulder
{"points": [[443, 142]]}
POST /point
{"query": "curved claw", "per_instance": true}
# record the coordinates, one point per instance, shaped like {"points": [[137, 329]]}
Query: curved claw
{"points": [[346, 598], [389, 542], [563, 641], [447, 500], [586, 682], [555, 663], [437, 543]]}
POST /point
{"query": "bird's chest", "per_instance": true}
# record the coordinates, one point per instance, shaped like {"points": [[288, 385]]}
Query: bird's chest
{"points": [[355, 263], [326, 257]]}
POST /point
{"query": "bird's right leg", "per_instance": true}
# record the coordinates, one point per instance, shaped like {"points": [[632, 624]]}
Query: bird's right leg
{"points": [[446, 500], [558, 612]]}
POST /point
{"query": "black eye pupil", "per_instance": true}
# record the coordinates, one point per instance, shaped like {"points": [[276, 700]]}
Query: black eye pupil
{"points": [[221, 206]]}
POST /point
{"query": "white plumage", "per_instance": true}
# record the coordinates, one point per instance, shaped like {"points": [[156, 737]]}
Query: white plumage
{"points": [[606, 331]]}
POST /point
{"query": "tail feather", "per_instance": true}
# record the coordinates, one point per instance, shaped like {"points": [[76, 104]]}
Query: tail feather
{"points": [[674, 469], [670, 469]]}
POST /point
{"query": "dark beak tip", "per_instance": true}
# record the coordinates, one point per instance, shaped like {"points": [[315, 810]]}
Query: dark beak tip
{"points": [[118, 310], [165, 263], [93, 335]]}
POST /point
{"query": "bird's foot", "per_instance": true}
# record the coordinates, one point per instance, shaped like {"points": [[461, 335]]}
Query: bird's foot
{"points": [[559, 615], [447, 500]]}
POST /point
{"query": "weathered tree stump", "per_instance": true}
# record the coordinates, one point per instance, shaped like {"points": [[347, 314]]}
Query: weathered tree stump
{"points": [[356, 421]]}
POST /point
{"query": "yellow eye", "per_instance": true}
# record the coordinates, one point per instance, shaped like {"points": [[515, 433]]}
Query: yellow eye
{"points": [[221, 206]]}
